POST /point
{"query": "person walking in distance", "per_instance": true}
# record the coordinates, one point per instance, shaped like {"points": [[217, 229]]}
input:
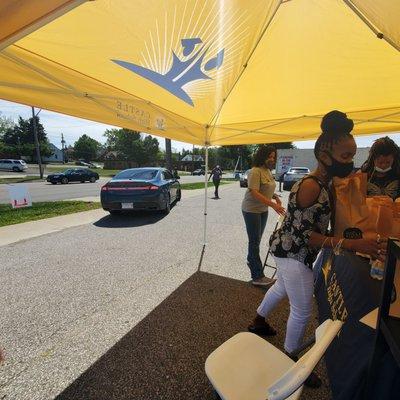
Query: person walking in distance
{"points": [[216, 173]]}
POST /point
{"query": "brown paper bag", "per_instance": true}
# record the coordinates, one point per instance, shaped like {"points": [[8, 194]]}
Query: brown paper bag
{"points": [[350, 201], [372, 215]]}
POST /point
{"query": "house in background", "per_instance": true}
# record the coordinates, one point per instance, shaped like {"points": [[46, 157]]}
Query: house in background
{"points": [[190, 162], [56, 156]]}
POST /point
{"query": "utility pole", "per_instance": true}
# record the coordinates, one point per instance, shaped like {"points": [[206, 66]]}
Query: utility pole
{"points": [[35, 135], [168, 154], [63, 147], [193, 160]]}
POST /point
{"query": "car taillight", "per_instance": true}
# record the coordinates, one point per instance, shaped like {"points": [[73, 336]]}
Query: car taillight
{"points": [[104, 188], [153, 187]]}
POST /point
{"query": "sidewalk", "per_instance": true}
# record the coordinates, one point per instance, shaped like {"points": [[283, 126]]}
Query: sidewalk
{"points": [[27, 230]]}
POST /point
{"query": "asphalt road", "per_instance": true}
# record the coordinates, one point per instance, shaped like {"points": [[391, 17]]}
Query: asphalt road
{"points": [[68, 297], [43, 191]]}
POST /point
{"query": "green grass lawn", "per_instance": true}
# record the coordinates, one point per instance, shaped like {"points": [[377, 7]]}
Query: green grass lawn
{"points": [[19, 180], [10, 216], [200, 185]]}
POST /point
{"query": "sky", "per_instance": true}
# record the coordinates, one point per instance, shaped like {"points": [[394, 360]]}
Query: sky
{"points": [[72, 128]]}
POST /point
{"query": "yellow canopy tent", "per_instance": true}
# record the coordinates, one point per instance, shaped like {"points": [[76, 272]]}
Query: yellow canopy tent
{"points": [[207, 72]]}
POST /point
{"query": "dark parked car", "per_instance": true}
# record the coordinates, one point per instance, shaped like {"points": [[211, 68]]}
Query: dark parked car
{"points": [[73, 175], [243, 178], [198, 172], [141, 189]]}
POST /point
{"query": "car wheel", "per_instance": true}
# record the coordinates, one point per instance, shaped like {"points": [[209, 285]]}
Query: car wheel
{"points": [[114, 212], [16, 169], [92, 179], [167, 208], [54, 183], [178, 195], [64, 181], [82, 181]]}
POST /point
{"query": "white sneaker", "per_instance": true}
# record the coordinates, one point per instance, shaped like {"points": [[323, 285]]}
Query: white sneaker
{"points": [[264, 281]]}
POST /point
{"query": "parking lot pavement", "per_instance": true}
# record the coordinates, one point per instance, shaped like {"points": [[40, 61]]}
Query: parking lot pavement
{"points": [[69, 296]]}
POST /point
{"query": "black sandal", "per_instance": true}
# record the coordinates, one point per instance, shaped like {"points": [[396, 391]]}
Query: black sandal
{"points": [[262, 330]]}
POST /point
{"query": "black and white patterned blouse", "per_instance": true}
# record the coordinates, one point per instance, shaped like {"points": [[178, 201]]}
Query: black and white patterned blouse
{"points": [[291, 239]]}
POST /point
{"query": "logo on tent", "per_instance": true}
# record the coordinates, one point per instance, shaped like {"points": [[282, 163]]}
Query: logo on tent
{"points": [[182, 71]]}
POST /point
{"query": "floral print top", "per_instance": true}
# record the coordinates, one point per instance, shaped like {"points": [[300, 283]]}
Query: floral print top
{"points": [[291, 239]]}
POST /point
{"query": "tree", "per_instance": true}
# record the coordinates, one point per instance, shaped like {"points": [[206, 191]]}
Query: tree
{"points": [[86, 148], [5, 124], [227, 156], [283, 145], [19, 139], [130, 146]]}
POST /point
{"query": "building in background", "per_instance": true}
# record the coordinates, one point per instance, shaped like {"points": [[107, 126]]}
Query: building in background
{"points": [[287, 158], [56, 156]]}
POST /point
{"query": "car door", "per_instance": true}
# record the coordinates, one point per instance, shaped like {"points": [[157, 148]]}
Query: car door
{"points": [[1, 164], [83, 175], [73, 176], [172, 183], [8, 165]]}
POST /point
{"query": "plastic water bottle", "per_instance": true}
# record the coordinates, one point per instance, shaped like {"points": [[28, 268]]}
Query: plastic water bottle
{"points": [[377, 269]]}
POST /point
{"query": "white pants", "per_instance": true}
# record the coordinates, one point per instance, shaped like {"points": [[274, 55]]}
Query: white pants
{"points": [[294, 280]]}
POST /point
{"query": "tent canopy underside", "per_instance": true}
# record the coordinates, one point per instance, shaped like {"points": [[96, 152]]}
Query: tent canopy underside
{"points": [[207, 72]]}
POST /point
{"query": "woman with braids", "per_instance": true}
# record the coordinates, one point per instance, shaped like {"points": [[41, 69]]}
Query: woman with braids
{"points": [[258, 198], [304, 232], [383, 169]]}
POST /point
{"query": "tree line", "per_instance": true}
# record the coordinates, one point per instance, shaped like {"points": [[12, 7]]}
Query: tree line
{"points": [[17, 140]]}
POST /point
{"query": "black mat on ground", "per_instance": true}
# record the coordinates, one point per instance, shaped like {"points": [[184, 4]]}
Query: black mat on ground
{"points": [[163, 356]]}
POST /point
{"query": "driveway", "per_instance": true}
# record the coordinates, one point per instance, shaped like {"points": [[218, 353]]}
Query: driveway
{"points": [[69, 296]]}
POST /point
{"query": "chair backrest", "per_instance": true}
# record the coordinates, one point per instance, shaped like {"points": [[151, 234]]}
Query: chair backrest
{"points": [[299, 372]]}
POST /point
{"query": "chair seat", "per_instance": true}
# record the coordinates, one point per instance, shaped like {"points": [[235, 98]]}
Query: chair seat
{"points": [[245, 366]]}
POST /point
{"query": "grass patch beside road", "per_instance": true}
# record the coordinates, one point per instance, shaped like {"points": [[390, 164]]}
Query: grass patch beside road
{"points": [[10, 216], [19, 180], [199, 185]]}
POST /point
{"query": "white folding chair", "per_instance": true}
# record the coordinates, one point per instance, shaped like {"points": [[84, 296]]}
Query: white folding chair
{"points": [[247, 367]]}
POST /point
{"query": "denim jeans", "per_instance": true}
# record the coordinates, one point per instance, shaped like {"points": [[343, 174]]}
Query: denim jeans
{"points": [[255, 225]]}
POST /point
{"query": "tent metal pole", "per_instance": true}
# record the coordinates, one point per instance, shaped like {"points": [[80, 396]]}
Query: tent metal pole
{"points": [[205, 198], [205, 212]]}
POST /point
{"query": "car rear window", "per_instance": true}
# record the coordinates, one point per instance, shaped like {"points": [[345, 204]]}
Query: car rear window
{"points": [[137, 174]]}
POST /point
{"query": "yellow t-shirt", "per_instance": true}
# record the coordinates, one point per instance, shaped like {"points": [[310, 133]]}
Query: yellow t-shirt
{"points": [[261, 179]]}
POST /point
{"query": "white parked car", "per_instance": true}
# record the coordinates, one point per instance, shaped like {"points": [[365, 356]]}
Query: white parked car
{"points": [[293, 175], [13, 165]]}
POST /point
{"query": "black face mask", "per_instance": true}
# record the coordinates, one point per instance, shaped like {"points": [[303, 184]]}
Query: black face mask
{"points": [[339, 169]]}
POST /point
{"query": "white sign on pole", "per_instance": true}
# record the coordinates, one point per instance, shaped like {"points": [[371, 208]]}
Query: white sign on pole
{"points": [[284, 163], [19, 196]]}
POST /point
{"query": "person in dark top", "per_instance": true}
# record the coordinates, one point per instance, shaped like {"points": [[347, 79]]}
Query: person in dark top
{"points": [[304, 231], [216, 173], [383, 169]]}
